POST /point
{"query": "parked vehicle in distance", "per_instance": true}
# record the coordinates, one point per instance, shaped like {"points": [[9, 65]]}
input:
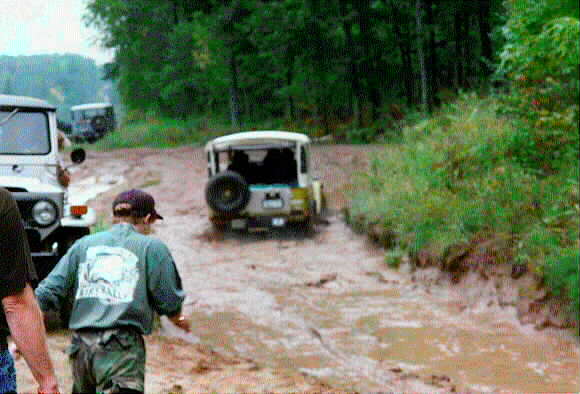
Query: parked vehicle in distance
{"points": [[91, 121], [29, 165], [262, 179]]}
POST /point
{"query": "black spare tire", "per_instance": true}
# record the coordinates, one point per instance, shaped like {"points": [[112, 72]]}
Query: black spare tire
{"points": [[227, 192], [99, 124]]}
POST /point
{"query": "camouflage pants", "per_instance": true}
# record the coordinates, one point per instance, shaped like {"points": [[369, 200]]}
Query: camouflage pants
{"points": [[107, 361]]}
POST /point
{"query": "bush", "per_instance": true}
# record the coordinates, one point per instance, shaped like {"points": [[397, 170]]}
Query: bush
{"points": [[541, 59], [562, 276], [453, 180]]}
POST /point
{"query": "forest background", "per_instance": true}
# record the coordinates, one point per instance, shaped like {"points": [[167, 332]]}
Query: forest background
{"points": [[477, 103]]}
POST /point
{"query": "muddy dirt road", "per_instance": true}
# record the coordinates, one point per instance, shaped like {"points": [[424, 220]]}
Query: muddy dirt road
{"points": [[284, 312]]}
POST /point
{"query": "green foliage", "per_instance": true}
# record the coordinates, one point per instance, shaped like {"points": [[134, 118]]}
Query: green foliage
{"points": [[361, 136], [453, 180], [561, 272], [62, 80], [324, 63], [159, 133], [100, 225], [394, 257], [541, 59]]}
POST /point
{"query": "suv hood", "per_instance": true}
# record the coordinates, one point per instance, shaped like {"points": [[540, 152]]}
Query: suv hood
{"points": [[32, 185]]}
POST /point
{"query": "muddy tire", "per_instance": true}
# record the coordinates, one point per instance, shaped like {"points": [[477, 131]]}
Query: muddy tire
{"points": [[99, 124], [227, 193]]}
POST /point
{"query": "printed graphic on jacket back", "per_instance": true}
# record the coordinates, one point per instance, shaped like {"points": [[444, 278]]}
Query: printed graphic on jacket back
{"points": [[109, 274]]}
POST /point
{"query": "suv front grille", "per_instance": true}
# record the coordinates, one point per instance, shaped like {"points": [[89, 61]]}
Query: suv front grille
{"points": [[25, 207], [33, 240]]}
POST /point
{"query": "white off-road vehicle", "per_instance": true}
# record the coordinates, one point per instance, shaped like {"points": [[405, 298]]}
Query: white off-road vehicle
{"points": [[91, 121], [29, 166], [262, 179]]}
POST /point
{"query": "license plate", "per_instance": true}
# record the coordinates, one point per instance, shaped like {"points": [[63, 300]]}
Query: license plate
{"points": [[272, 204], [278, 222], [238, 224]]}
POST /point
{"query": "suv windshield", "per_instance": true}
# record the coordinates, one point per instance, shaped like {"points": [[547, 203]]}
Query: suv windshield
{"points": [[87, 114], [24, 133]]}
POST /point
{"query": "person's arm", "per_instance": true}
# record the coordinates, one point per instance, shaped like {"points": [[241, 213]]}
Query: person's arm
{"points": [[164, 284], [53, 290], [28, 332], [63, 176]]}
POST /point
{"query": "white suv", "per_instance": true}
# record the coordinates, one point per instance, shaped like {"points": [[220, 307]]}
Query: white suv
{"points": [[262, 179], [29, 166]]}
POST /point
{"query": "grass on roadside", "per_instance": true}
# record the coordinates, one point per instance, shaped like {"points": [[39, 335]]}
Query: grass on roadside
{"points": [[159, 132], [454, 179]]}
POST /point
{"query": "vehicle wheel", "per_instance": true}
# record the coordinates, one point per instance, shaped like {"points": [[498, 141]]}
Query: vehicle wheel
{"points": [[219, 227], [305, 227], [227, 192], [99, 124]]}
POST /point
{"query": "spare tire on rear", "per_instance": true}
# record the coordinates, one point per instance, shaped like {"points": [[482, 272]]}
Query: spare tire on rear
{"points": [[227, 192], [99, 124]]}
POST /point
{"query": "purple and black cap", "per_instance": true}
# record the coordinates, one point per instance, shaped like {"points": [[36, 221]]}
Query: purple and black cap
{"points": [[136, 203]]}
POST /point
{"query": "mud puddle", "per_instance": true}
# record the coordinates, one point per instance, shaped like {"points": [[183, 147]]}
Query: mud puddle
{"points": [[327, 306]]}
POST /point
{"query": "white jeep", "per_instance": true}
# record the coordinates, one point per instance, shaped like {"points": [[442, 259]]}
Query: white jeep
{"points": [[91, 121], [262, 179], [29, 166]]}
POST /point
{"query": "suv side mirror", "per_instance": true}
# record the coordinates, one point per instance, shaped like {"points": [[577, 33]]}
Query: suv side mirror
{"points": [[78, 155]]}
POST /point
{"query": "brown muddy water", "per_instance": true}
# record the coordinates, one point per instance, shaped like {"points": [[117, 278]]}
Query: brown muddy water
{"points": [[329, 306]]}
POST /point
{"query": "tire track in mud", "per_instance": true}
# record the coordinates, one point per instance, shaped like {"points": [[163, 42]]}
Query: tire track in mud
{"points": [[357, 331]]}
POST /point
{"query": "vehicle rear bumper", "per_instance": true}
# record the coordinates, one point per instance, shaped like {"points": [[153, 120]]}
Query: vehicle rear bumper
{"points": [[268, 221]]}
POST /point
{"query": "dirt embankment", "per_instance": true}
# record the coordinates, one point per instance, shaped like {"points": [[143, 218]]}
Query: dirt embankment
{"points": [[484, 266], [482, 270], [284, 312]]}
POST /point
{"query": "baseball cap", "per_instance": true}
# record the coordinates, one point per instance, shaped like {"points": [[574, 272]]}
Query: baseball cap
{"points": [[138, 202]]}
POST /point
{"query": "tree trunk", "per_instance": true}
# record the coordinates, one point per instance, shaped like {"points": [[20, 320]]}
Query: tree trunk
{"points": [[368, 69], [483, 15], [353, 75], [432, 66], [421, 56], [175, 12], [404, 42], [234, 93], [457, 29], [468, 61], [291, 111]]}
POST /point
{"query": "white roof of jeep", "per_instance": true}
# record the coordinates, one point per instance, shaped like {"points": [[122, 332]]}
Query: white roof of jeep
{"points": [[7, 100], [90, 106], [256, 137]]}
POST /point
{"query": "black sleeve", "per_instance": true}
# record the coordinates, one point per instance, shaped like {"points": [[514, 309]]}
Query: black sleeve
{"points": [[16, 268]]}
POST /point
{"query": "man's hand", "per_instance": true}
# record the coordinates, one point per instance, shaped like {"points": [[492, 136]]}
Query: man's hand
{"points": [[63, 176], [48, 386], [180, 321]]}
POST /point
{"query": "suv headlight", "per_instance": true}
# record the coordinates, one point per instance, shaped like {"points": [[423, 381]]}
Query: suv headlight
{"points": [[44, 213]]}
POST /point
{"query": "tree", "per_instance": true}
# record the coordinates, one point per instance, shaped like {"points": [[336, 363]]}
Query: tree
{"points": [[421, 55], [322, 62]]}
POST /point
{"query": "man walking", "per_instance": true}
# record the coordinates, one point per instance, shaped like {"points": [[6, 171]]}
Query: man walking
{"points": [[20, 316], [116, 280]]}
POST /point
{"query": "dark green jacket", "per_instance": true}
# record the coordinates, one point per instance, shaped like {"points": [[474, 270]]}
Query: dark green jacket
{"points": [[114, 278]]}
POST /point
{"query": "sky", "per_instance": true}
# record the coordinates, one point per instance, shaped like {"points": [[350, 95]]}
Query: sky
{"points": [[34, 27]]}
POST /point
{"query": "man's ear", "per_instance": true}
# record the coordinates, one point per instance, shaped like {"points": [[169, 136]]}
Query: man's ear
{"points": [[149, 219]]}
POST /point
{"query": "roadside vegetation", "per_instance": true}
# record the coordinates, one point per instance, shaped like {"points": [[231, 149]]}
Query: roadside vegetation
{"points": [[153, 130], [502, 166]]}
